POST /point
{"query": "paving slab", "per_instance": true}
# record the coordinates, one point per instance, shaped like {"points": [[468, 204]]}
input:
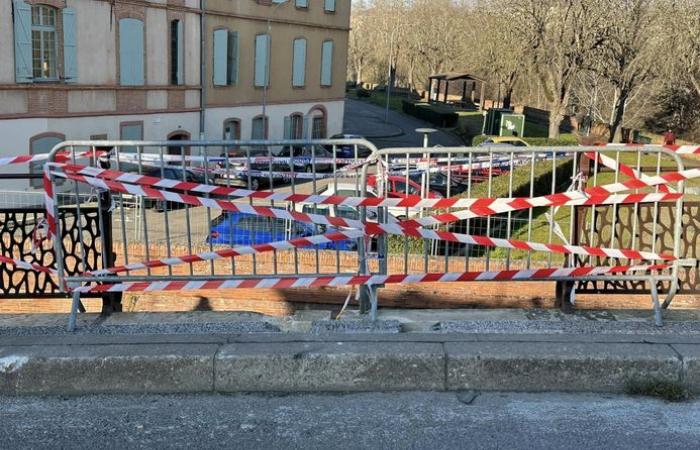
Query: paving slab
{"points": [[533, 366], [329, 366], [115, 369]]}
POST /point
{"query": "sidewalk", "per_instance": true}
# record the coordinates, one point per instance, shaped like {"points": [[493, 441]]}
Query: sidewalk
{"points": [[220, 352]]}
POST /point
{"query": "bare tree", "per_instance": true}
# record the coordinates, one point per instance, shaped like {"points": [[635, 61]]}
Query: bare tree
{"points": [[499, 51], [561, 36], [626, 59]]}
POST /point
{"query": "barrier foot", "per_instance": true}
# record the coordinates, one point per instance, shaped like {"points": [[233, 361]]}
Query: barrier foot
{"points": [[658, 317], [374, 302], [75, 304], [564, 291]]}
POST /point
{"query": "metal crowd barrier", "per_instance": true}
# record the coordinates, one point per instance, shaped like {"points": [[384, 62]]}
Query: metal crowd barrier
{"points": [[293, 213], [518, 242]]}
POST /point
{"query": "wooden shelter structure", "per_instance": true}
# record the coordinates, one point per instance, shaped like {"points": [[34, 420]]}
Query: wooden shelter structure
{"points": [[468, 82]]}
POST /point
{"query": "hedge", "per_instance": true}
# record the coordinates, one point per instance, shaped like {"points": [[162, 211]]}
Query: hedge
{"points": [[429, 113], [564, 140]]}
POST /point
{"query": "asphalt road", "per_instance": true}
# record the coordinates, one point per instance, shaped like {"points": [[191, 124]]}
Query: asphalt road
{"points": [[386, 421], [367, 119]]}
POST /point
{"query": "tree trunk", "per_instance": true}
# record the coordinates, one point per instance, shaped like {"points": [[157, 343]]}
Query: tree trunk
{"points": [[507, 98], [618, 113], [556, 117], [555, 120]]}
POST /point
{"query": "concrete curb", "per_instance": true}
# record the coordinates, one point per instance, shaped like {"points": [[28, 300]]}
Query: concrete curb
{"points": [[348, 365]]}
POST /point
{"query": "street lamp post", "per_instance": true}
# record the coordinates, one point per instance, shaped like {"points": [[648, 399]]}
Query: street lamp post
{"points": [[278, 3]]}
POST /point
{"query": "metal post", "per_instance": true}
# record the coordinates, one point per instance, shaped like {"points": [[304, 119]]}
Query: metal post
{"points": [[74, 311], [390, 78], [658, 318]]}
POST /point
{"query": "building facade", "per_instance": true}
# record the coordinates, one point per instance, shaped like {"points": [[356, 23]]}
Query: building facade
{"points": [[293, 54], [131, 69]]}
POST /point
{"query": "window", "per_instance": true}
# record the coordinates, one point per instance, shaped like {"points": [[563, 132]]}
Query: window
{"points": [[329, 5], [176, 53], [302, 3], [38, 145], [37, 40], [232, 132], [294, 127], [225, 57], [259, 130], [131, 52], [130, 131], [232, 129], [318, 130], [299, 63], [262, 67], [327, 63], [43, 42], [318, 123]]}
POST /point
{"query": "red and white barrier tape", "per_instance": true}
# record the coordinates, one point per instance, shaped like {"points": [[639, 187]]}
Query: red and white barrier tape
{"points": [[613, 164], [411, 201], [60, 157], [336, 236], [27, 265], [479, 207], [302, 281]]}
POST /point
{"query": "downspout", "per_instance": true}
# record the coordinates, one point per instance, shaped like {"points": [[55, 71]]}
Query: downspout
{"points": [[202, 69]]}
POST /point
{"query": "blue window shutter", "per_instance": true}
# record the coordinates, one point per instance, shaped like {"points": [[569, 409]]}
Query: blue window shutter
{"points": [[302, 3], [131, 52], [327, 63], [261, 66], [180, 53], [23, 41], [299, 63], [233, 57], [220, 57], [330, 5], [70, 49]]}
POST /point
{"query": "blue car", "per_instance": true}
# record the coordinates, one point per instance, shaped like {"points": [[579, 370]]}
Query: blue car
{"points": [[232, 228]]}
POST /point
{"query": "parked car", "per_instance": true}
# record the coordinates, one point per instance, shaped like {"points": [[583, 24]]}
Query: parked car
{"points": [[171, 173], [346, 212], [305, 159], [504, 141], [438, 183], [397, 187], [234, 228], [238, 170], [348, 151]]}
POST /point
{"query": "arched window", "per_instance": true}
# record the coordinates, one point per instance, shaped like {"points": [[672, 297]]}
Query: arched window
{"points": [[44, 42], [260, 128], [319, 128], [232, 132]]}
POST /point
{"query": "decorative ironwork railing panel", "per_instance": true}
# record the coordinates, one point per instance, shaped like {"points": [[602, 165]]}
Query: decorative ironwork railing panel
{"points": [[17, 226], [645, 227]]}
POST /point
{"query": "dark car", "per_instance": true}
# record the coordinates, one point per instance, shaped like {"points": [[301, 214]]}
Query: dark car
{"points": [[237, 171], [172, 173], [305, 159], [348, 151]]}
